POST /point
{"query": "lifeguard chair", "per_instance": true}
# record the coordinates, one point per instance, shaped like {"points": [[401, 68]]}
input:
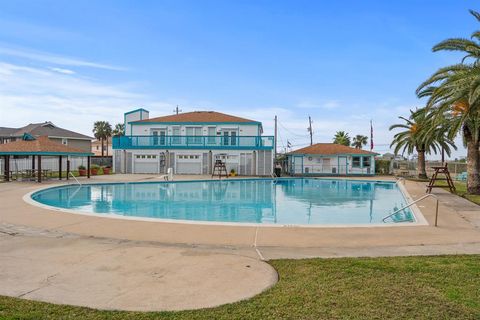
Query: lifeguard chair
{"points": [[442, 170], [220, 167]]}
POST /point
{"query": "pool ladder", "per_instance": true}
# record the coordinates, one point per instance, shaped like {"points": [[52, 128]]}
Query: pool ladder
{"points": [[73, 176], [412, 203]]}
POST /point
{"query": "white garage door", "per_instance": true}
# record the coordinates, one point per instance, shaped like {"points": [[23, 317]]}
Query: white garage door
{"points": [[189, 164], [145, 163]]}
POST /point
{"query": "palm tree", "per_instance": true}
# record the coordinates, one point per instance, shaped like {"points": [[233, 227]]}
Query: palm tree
{"points": [[422, 135], [359, 141], [102, 130], [453, 94], [108, 133], [341, 137], [119, 130]]}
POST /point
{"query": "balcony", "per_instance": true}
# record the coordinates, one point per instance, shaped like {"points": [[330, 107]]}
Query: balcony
{"points": [[193, 142]]}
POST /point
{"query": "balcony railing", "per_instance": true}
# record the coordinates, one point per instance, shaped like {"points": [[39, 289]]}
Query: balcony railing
{"points": [[193, 142]]}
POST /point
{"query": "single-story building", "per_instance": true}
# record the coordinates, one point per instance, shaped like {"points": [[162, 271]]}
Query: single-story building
{"points": [[36, 149], [331, 159]]}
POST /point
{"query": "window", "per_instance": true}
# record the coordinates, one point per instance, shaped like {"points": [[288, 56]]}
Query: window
{"points": [[211, 135], [194, 135], [356, 162], [367, 162], [64, 141], [176, 135]]}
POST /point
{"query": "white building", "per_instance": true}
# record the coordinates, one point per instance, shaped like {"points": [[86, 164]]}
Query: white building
{"points": [[331, 159], [189, 143]]}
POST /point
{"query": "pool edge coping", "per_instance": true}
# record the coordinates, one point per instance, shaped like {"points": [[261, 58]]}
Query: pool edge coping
{"points": [[419, 218]]}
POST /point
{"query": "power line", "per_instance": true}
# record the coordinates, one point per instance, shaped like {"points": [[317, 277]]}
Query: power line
{"points": [[295, 134]]}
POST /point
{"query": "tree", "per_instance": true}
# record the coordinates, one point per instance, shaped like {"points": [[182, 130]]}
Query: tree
{"points": [[341, 137], [422, 135], [119, 130], [453, 94], [102, 130], [359, 141]]}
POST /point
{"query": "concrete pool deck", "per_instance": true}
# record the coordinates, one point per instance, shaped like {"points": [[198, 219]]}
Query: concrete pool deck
{"points": [[137, 265]]}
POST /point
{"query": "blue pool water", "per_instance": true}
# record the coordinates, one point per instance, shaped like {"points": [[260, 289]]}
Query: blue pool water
{"points": [[285, 201]]}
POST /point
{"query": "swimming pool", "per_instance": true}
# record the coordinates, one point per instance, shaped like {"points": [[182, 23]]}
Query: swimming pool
{"points": [[288, 201]]}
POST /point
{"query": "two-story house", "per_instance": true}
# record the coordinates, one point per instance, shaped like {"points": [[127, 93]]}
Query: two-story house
{"points": [[53, 132], [190, 142]]}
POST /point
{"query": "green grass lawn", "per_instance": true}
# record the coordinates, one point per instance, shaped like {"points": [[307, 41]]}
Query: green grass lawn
{"points": [[461, 187], [443, 287]]}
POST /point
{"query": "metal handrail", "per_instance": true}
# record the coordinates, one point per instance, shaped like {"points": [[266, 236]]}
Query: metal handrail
{"points": [[74, 178], [419, 199]]}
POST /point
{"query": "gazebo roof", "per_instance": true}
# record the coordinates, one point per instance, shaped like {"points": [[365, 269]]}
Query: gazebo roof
{"points": [[42, 146]]}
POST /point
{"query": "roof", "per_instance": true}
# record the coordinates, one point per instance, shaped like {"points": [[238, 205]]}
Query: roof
{"points": [[331, 149], [7, 131], [40, 146], [43, 129], [198, 117]]}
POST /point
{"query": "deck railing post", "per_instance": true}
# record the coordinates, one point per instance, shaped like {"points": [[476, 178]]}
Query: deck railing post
{"points": [[59, 167], [88, 167], [39, 169]]}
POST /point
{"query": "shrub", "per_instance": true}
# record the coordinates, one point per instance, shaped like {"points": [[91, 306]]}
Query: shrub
{"points": [[382, 166]]}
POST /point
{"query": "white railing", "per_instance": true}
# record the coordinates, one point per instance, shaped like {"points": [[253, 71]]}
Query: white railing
{"points": [[412, 203]]}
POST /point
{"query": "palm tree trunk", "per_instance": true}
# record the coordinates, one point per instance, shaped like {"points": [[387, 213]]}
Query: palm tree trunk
{"points": [[103, 149], [107, 145], [422, 173], [473, 167]]}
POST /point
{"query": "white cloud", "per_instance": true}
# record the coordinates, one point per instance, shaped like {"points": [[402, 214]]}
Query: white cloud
{"points": [[328, 104], [54, 59], [30, 94], [37, 94], [62, 70]]}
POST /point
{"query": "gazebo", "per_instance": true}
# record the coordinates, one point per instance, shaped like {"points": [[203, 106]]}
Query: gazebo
{"points": [[36, 148]]}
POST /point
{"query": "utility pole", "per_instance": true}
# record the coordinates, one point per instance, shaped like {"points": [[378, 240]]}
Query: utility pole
{"points": [[177, 110], [275, 138], [310, 129]]}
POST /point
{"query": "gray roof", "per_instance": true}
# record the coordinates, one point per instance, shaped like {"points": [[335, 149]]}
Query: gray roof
{"points": [[4, 131], [42, 129]]}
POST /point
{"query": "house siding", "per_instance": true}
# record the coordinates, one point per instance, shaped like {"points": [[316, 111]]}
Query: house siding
{"points": [[85, 145], [249, 155], [330, 165]]}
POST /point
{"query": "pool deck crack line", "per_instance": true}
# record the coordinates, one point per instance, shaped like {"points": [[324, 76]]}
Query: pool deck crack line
{"points": [[260, 255], [46, 284]]}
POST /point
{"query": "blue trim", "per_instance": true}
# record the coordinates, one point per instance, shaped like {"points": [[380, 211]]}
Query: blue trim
{"points": [[136, 110], [193, 142]]}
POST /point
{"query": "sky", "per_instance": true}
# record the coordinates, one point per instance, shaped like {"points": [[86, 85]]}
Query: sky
{"points": [[343, 63]]}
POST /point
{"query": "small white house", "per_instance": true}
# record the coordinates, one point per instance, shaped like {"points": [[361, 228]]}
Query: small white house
{"points": [[191, 142], [331, 159]]}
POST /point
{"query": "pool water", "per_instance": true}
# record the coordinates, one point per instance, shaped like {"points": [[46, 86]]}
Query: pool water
{"points": [[265, 201]]}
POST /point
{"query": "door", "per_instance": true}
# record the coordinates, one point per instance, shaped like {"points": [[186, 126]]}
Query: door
{"points": [[342, 165], [159, 137], [229, 138], [146, 163], [189, 164]]}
